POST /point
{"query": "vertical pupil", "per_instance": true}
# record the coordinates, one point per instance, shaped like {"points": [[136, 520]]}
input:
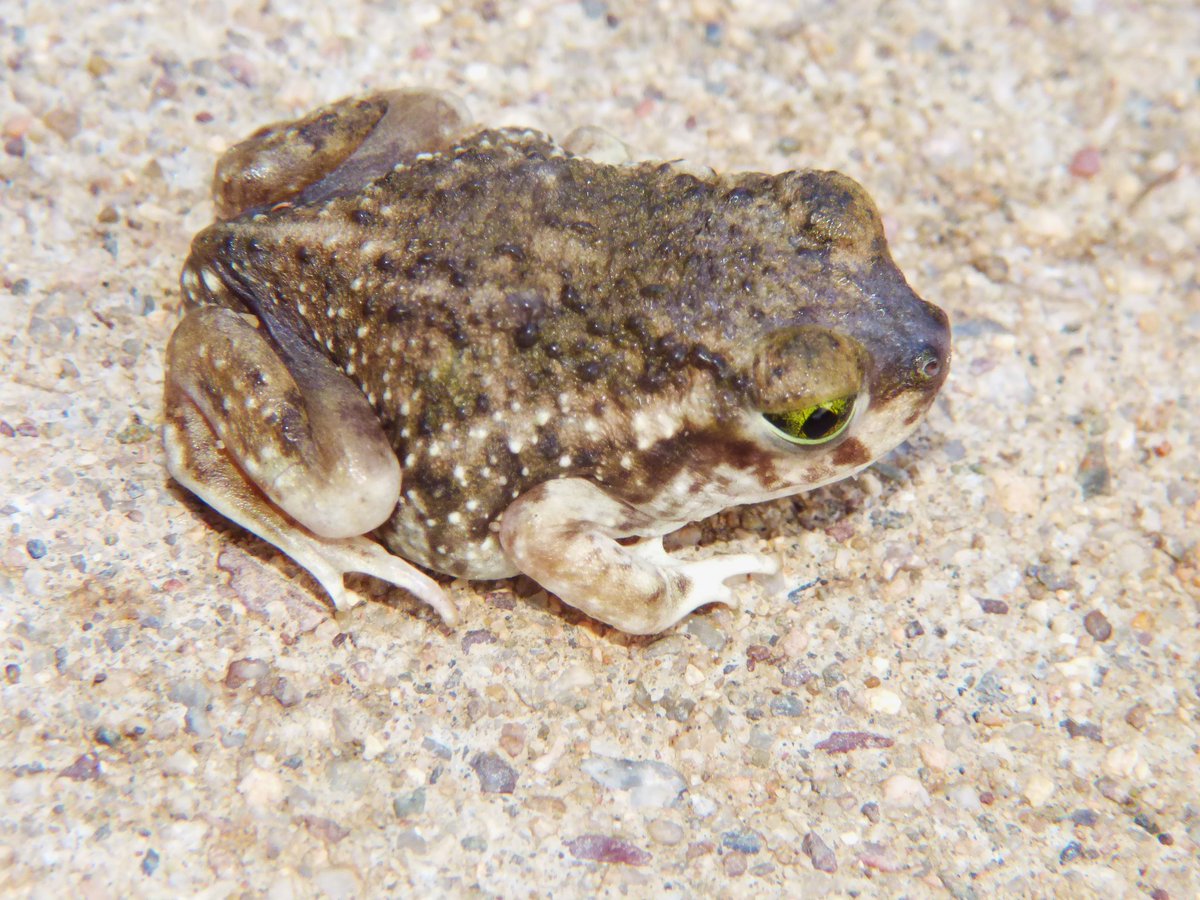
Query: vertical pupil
{"points": [[819, 423]]}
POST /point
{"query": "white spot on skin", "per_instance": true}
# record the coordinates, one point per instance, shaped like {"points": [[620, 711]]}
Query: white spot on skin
{"points": [[650, 427], [564, 461], [472, 505], [543, 416], [211, 281], [454, 518], [514, 445]]}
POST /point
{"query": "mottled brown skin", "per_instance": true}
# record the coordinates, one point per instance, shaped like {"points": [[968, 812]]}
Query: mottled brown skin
{"points": [[512, 313]]}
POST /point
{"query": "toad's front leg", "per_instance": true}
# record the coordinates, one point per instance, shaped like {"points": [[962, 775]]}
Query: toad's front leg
{"points": [[563, 534]]}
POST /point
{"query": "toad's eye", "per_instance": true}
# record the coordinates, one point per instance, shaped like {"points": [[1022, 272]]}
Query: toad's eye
{"points": [[815, 424]]}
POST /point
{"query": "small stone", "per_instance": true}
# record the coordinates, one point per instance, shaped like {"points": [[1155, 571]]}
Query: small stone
{"points": [[410, 804], [935, 755], [1122, 761], [243, 670], [150, 862], [697, 849], [262, 789], [12, 673], [882, 700], [734, 864], [650, 783], [845, 741], [606, 849], [1144, 822], [787, 705], [107, 737], [285, 693], [478, 636], [878, 857], [913, 629], [1069, 852], [707, 633], [1084, 818], [1097, 626], [116, 638], [1093, 474], [994, 607], [662, 831], [1083, 729], [743, 841], [1085, 163], [818, 851], [964, 797], [1137, 716], [35, 548], [1038, 789], [326, 829], [512, 739], [85, 768], [871, 811], [905, 792], [495, 775], [438, 749]]}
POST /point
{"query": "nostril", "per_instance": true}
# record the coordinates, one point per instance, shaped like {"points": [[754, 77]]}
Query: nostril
{"points": [[929, 365]]}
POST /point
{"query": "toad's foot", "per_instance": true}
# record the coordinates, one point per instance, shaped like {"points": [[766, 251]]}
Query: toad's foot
{"points": [[706, 577], [639, 589]]}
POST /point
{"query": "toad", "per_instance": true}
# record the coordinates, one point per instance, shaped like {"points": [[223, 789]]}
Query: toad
{"points": [[416, 344]]}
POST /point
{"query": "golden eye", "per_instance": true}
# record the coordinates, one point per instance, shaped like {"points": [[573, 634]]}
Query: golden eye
{"points": [[815, 424]]}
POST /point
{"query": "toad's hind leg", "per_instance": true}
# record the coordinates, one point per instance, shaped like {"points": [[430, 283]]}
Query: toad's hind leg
{"points": [[289, 450], [336, 149]]}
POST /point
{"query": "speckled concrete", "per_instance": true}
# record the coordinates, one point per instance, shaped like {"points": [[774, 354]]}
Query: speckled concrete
{"points": [[981, 678]]}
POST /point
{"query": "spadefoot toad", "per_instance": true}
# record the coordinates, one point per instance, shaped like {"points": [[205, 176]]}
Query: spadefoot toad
{"points": [[493, 355]]}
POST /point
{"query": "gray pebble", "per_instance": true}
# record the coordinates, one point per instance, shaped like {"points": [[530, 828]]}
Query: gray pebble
{"points": [[117, 637], [649, 782], [707, 633], [743, 841], [409, 804], [787, 705], [495, 775]]}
